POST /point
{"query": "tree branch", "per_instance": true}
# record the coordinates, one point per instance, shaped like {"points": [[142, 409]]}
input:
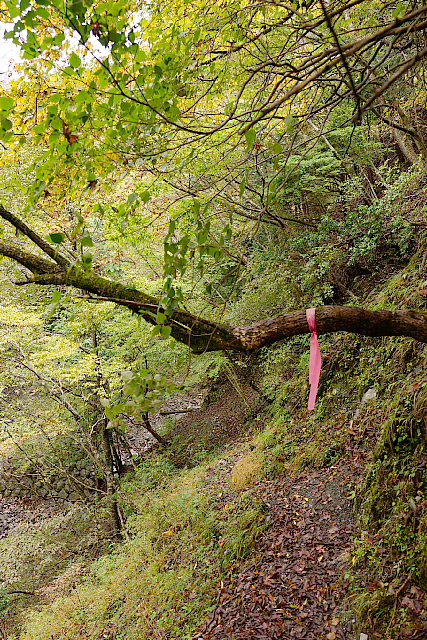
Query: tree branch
{"points": [[48, 384], [34, 237], [203, 335], [33, 263]]}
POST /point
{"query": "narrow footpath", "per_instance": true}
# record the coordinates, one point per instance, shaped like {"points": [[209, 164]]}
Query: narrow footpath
{"points": [[295, 586]]}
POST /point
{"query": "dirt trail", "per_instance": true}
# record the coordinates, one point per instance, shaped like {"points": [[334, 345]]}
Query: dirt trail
{"points": [[294, 587]]}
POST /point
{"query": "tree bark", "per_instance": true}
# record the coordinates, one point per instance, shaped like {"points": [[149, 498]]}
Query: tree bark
{"points": [[405, 145], [107, 446], [331, 319], [147, 425]]}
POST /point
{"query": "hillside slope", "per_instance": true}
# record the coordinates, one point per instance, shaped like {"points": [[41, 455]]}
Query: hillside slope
{"points": [[258, 506]]}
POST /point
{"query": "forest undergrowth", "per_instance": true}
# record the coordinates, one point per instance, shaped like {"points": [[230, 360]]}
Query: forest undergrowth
{"points": [[202, 540]]}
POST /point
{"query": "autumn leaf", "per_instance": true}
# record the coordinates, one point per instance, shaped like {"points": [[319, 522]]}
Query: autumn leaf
{"points": [[71, 138]]}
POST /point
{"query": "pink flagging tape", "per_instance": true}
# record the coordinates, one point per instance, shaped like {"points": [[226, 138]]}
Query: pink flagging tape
{"points": [[315, 358]]}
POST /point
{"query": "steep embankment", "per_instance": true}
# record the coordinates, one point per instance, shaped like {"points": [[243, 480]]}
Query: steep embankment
{"points": [[272, 536]]}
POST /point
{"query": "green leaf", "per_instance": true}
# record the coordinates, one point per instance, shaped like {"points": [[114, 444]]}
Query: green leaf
{"points": [[145, 196], [42, 13], [250, 136], [399, 11], [165, 331], [56, 238], [53, 306], [77, 7], [86, 240], [6, 103], [242, 187], [6, 124], [75, 60], [57, 123], [82, 96], [290, 121], [202, 236]]}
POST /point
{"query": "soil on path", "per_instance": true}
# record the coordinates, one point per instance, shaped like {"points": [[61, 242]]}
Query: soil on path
{"points": [[295, 587]]}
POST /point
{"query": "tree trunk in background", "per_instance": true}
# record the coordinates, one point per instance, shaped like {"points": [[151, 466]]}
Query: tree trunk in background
{"points": [[110, 489], [411, 147], [107, 446], [404, 143]]}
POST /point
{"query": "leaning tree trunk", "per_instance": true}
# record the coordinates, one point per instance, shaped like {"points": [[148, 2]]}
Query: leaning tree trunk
{"points": [[405, 145], [201, 334]]}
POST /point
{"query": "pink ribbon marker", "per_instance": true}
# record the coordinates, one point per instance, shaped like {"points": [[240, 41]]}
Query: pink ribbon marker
{"points": [[315, 358]]}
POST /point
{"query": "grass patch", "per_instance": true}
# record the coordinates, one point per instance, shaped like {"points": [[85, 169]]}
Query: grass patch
{"points": [[187, 530]]}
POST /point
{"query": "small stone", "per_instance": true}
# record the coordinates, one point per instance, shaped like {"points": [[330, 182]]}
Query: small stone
{"points": [[369, 395], [363, 636]]}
